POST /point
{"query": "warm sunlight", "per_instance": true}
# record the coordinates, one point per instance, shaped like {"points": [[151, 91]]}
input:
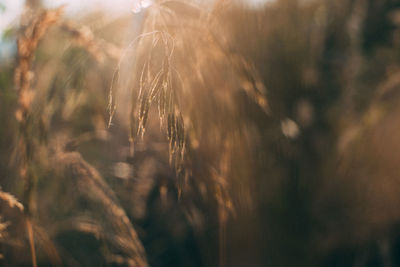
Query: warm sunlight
{"points": [[191, 133]]}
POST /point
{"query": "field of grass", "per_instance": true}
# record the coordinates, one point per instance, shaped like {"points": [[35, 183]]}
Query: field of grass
{"points": [[204, 133]]}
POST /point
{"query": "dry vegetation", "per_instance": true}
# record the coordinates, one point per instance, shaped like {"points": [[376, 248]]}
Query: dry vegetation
{"points": [[212, 135]]}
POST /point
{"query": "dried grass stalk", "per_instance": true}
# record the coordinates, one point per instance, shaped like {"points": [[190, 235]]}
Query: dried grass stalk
{"points": [[27, 44], [11, 200]]}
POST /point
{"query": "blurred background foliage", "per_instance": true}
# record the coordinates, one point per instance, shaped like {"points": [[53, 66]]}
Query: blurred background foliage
{"points": [[291, 123]]}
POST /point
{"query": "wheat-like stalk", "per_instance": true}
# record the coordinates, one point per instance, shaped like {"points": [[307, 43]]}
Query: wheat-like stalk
{"points": [[27, 44], [7, 201], [11, 200], [180, 42]]}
